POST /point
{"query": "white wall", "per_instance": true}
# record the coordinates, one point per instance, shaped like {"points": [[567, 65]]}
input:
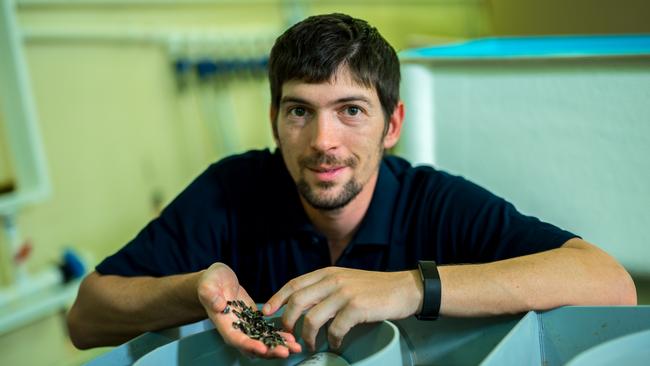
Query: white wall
{"points": [[565, 140]]}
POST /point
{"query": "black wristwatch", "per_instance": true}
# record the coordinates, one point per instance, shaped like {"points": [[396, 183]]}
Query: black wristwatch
{"points": [[432, 290]]}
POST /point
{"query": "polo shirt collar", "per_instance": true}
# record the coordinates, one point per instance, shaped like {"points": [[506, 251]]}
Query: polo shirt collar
{"points": [[375, 228]]}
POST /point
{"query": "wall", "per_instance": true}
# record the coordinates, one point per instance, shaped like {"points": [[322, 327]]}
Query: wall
{"points": [[517, 17]]}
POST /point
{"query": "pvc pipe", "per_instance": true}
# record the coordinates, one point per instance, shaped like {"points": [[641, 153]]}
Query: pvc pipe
{"points": [[28, 286], [29, 308], [12, 240], [22, 133]]}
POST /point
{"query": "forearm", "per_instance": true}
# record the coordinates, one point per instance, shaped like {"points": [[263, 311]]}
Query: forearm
{"points": [[110, 310], [576, 274]]}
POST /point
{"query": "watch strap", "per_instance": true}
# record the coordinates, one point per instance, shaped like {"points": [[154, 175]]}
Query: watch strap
{"points": [[432, 290]]}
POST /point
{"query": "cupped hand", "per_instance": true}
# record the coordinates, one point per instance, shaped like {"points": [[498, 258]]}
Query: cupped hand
{"points": [[218, 285], [349, 296]]}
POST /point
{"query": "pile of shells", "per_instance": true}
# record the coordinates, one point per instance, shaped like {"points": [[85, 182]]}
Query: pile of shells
{"points": [[253, 324]]}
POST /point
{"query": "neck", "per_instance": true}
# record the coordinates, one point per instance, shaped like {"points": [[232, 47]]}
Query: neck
{"points": [[339, 226]]}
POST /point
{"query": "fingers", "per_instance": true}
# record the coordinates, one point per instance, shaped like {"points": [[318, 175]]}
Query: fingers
{"points": [[238, 339], [307, 297], [256, 348], [245, 297], [318, 316], [342, 323], [290, 340], [283, 351], [218, 285], [281, 297], [277, 352], [242, 342]]}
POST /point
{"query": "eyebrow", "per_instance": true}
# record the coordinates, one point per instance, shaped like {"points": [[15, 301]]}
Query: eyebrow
{"points": [[352, 98]]}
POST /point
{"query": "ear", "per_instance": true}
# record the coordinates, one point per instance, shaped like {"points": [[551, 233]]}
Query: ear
{"points": [[394, 126], [273, 115]]}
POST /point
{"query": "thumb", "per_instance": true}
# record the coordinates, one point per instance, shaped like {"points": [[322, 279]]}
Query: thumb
{"points": [[218, 303]]}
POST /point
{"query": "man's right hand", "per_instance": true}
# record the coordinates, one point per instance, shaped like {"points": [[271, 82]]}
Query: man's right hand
{"points": [[218, 284]]}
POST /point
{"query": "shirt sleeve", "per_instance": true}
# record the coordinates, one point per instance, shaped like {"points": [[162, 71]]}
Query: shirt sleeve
{"points": [[481, 227], [187, 236]]}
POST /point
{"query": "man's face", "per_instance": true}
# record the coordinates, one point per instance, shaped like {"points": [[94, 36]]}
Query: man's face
{"points": [[331, 137]]}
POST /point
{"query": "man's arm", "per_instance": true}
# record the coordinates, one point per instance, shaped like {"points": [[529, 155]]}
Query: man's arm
{"points": [[578, 273], [110, 310]]}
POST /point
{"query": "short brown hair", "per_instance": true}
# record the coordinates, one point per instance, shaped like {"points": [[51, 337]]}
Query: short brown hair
{"points": [[313, 50]]}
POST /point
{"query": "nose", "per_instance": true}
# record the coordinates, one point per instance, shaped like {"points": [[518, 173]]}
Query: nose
{"points": [[324, 133]]}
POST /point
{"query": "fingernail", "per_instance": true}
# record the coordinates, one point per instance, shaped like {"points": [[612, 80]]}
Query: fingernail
{"points": [[266, 309]]}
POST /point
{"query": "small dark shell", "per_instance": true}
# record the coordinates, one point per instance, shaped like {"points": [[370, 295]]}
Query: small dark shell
{"points": [[252, 323]]}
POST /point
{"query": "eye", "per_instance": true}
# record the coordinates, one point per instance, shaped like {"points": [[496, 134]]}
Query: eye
{"points": [[352, 110], [298, 112]]}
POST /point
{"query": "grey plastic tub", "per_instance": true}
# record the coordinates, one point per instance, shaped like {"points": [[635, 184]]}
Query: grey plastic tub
{"points": [[365, 345], [556, 337]]}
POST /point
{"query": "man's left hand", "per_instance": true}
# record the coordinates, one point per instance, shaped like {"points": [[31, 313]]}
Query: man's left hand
{"points": [[350, 296]]}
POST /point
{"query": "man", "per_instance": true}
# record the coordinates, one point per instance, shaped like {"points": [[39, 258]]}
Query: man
{"points": [[331, 228]]}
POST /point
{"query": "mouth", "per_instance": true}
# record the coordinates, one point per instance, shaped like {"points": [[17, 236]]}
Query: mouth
{"points": [[326, 173]]}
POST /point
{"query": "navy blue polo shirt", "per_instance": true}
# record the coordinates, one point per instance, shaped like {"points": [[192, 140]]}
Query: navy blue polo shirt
{"points": [[245, 211]]}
